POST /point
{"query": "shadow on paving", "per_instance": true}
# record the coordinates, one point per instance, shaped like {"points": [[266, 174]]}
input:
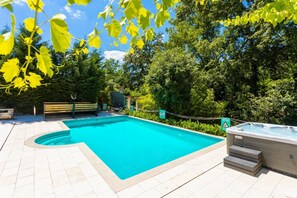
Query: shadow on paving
{"points": [[57, 117]]}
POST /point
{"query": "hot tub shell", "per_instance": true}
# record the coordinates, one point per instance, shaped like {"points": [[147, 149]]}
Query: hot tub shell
{"points": [[279, 153]]}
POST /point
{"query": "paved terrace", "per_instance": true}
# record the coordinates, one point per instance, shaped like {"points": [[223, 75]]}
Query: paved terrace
{"points": [[66, 172]]}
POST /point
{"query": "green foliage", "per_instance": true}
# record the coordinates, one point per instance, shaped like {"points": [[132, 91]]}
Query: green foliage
{"points": [[179, 87], [147, 102], [136, 64], [112, 78], [237, 64], [275, 12], [188, 124], [81, 75], [274, 105], [170, 79], [206, 128], [60, 36], [204, 104], [134, 18]]}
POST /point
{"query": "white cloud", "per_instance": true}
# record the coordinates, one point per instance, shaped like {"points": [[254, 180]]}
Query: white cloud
{"points": [[77, 14], [114, 54], [20, 2], [60, 16]]}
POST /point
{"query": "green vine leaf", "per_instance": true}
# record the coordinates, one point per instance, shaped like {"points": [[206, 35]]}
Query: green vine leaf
{"points": [[132, 29], [114, 28], [144, 18], [60, 36], [94, 39], [79, 2], [7, 39], [7, 4], [104, 14], [34, 80], [44, 62], [19, 83], [149, 34], [10, 69], [29, 25], [161, 17], [132, 9], [139, 43], [35, 5], [124, 40]]}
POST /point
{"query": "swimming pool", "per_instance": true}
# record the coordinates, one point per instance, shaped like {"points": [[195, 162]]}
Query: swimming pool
{"points": [[130, 146]]}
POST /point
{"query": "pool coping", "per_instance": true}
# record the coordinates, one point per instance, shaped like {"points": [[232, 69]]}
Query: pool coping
{"points": [[108, 175]]}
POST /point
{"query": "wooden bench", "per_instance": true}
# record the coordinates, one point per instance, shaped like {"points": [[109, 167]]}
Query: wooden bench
{"points": [[6, 114], [86, 107], [64, 107]]}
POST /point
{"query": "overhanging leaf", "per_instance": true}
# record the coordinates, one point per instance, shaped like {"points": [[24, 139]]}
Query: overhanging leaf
{"points": [[94, 39], [161, 17], [34, 79], [10, 69], [132, 29], [35, 5], [60, 36], [139, 43], [144, 18], [7, 4], [29, 24], [7, 39], [114, 28], [44, 62], [19, 83], [80, 2], [149, 34], [124, 39]]}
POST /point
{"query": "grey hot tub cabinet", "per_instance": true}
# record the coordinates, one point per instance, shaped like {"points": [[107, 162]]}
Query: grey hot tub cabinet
{"points": [[278, 154]]}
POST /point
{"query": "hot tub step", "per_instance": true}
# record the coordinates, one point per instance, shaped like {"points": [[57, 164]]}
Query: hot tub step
{"points": [[242, 170], [246, 153], [242, 165]]}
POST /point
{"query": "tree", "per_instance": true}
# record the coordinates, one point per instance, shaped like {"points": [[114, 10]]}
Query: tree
{"points": [[78, 74], [239, 62], [113, 73], [170, 79], [136, 64], [136, 20]]}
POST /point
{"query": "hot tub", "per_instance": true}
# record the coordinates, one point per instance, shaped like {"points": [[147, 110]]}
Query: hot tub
{"points": [[278, 144]]}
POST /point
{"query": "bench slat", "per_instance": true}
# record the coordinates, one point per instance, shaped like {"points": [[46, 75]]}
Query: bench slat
{"points": [[50, 108]]}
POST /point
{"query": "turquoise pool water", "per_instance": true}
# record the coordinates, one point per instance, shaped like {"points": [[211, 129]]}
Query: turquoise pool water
{"points": [[129, 146]]}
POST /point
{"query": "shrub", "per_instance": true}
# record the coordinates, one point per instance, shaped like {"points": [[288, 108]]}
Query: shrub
{"points": [[188, 124], [146, 102]]}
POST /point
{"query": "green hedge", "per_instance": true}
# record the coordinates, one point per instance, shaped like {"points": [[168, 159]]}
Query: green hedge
{"points": [[188, 124]]}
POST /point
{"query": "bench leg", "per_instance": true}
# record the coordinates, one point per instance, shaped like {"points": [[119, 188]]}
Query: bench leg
{"points": [[73, 110]]}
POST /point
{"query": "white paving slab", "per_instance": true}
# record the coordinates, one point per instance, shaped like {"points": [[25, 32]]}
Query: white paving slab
{"points": [[67, 172]]}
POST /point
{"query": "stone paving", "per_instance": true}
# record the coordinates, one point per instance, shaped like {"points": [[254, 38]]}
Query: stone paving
{"points": [[66, 172]]}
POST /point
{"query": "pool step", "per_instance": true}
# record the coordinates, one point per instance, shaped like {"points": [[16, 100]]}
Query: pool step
{"points": [[245, 160], [245, 153]]}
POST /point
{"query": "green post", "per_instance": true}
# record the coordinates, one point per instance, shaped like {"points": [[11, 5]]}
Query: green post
{"points": [[131, 108], [162, 114], [104, 107], [225, 123]]}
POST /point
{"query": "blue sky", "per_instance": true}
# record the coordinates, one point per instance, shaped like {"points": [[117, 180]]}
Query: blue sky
{"points": [[81, 20]]}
